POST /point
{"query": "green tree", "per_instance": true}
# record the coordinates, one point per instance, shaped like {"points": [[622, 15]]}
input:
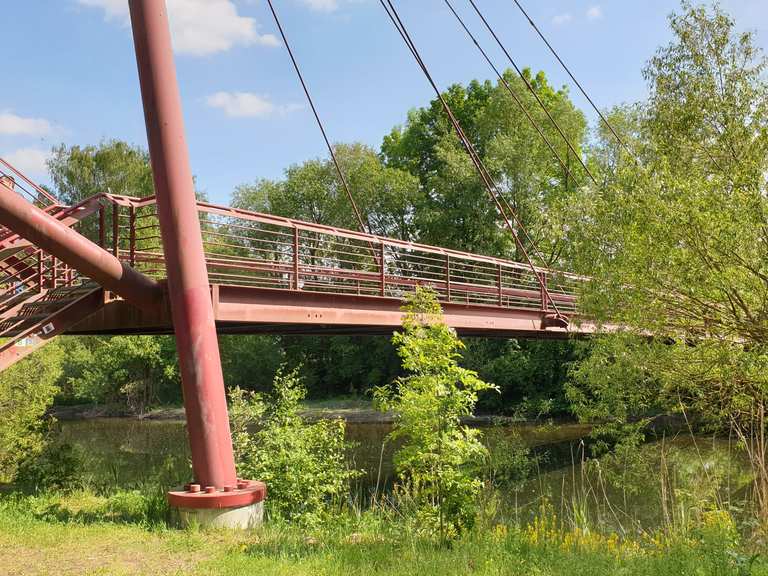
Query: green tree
{"points": [[530, 374], [312, 191], [341, 365], [677, 245], [454, 210], [115, 167], [250, 361], [132, 371], [439, 459]]}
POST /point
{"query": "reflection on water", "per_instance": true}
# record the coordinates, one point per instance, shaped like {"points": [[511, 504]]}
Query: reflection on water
{"points": [[129, 453], [641, 489]]}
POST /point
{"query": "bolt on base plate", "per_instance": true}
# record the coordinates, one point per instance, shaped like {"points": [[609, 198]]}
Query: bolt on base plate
{"points": [[193, 496]]}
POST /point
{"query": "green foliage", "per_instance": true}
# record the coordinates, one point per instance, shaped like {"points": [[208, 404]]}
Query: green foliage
{"points": [[134, 371], [529, 374], [677, 245], [454, 210], [249, 361], [27, 390], [439, 459], [616, 381], [312, 191], [303, 464], [112, 167], [57, 467], [341, 365]]}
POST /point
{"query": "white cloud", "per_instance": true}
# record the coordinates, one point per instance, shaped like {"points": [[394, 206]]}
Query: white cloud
{"points": [[198, 27], [30, 161], [248, 105], [14, 125], [322, 5], [562, 19], [594, 13]]}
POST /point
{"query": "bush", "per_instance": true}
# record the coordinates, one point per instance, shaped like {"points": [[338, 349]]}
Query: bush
{"points": [[57, 467], [27, 390], [303, 464], [440, 460]]}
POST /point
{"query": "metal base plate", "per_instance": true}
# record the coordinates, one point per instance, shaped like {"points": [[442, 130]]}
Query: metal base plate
{"points": [[245, 493]]}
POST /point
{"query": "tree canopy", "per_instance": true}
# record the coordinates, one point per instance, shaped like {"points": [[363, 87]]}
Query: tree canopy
{"points": [[454, 210], [676, 243]]}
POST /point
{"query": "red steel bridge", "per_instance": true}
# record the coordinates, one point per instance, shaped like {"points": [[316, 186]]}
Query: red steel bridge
{"points": [[171, 264], [266, 274]]}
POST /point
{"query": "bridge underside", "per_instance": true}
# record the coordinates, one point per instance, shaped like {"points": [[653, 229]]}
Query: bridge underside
{"points": [[249, 310]]}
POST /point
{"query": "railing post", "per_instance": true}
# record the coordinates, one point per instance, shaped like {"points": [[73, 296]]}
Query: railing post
{"points": [[296, 258], [498, 282], [116, 231], [543, 291], [102, 226], [382, 273], [132, 246], [448, 277], [39, 271], [54, 272]]}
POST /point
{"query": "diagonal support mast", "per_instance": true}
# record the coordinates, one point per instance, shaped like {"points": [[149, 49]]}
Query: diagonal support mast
{"points": [[189, 292]]}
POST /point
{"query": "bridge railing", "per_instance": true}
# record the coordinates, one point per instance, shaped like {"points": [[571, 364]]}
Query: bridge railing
{"points": [[265, 251], [26, 187], [261, 250]]}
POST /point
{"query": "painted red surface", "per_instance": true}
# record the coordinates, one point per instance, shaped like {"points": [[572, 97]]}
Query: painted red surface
{"points": [[188, 289]]}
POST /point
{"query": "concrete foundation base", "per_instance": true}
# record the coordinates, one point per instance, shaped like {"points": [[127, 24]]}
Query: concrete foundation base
{"points": [[241, 518], [239, 506]]}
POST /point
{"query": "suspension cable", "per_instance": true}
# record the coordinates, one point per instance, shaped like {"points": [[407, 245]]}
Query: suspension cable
{"points": [[345, 185], [519, 103], [490, 186], [512, 93], [532, 91], [578, 84]]}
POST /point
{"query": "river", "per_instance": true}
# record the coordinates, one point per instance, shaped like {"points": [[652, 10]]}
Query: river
{"points": [[669, 476]]}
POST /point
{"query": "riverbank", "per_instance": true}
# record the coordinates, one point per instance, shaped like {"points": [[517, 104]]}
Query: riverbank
{"points": [[351, 410], [86, 534]]}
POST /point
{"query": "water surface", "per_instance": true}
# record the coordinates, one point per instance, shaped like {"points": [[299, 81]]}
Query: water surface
{"points": [[651, 486]]}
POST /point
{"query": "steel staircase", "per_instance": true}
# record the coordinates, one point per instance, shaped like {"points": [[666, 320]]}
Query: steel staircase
{"points": [[39, 296]]}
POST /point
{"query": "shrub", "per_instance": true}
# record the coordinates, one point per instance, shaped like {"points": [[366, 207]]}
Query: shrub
{"points": [[58, 466], [440, 460], [27, 390], [303, 464]]}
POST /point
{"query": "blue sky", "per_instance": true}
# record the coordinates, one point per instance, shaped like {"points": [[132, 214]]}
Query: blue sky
{"points": [[70, 74]]}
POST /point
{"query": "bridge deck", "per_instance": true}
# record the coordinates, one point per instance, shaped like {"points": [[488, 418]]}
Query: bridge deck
{"points": [[248, 310]]}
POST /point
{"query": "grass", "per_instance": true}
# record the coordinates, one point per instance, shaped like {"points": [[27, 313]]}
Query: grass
{"points": [[82, 533]]}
